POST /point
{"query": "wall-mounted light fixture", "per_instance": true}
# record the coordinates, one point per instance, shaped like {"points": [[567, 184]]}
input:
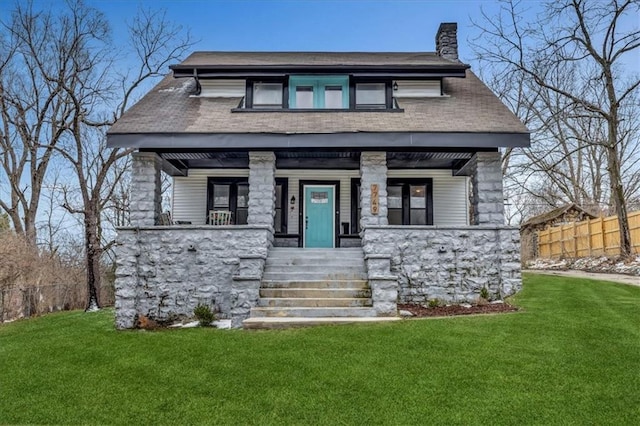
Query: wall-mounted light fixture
{"points": [[395, 85], [293, 200]]}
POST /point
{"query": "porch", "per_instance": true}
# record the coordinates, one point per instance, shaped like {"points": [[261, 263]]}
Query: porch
{"points": [[432, 249]]}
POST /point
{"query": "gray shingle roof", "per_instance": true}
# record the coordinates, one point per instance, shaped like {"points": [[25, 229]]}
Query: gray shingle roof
{"points": [[203, 59], [170, 108]]}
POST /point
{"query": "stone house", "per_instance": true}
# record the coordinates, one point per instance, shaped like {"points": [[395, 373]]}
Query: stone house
{"points": [[316, 187], [568, 213]]}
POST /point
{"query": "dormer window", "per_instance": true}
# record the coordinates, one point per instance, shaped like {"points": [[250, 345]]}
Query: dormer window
{"points": [[318, 92], [267, 95], [371, 96]]}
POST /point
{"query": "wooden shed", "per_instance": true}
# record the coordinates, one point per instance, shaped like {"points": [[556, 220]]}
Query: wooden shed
{"points": [[559, 216]]}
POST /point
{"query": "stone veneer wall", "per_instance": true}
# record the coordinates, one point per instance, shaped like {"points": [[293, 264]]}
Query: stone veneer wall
{"points": [[487, 197], [262, 188], [163, 272], [449, 264], [146, 198], [373, 170]]}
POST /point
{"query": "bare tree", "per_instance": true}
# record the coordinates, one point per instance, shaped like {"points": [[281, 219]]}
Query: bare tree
{"points": [[53, 220], [37, 55], [60, 93], [99, 171], [571, 60]]}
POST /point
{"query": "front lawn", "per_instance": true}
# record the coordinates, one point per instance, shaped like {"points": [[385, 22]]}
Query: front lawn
{"points": [[571, 356]]}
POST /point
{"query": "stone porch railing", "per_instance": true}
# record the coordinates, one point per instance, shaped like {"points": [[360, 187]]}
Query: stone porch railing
{"points": [[164, 272], [452, 264]]}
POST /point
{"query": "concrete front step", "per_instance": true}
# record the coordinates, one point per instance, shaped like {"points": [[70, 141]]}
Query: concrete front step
{"points": [[324, 269], [329, 312], [311, 261], [277, 323], [303, 254], [311, 302], [327, 275], [312, 286], [300, 250], [317, 284], [300, 293]]}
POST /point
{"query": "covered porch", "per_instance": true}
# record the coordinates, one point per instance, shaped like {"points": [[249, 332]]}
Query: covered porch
{"points": [[377, 200], [419, 188]]}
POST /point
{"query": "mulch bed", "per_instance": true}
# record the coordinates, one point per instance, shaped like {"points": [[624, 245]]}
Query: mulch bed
{"points": [[420, 311]]}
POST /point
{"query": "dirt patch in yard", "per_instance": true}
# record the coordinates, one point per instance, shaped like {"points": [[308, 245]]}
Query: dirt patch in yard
{"points": [[420, 311]]}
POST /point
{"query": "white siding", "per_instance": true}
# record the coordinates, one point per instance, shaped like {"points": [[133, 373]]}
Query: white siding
{"points": [[449, 195], [190, 193], [222, 88], [450, 206], [417, 88]]}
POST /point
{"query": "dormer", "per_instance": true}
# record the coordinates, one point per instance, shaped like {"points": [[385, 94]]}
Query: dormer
{"points": [[319, 81]]}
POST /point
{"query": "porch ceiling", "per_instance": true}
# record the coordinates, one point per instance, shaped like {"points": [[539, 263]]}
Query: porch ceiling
{"points": [[183, 161]]}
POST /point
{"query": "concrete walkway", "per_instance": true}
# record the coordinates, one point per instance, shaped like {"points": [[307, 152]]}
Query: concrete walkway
{"points": [[618, 278]]}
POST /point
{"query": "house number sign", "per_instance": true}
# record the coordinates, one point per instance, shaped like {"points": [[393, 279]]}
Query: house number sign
{"points": [[375, 202]]}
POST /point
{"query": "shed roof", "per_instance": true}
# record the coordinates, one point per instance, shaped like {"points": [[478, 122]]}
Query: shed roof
{"points": [[554, 214]]}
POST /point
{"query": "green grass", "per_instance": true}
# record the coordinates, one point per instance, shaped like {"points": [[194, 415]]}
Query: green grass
{"points": [[572, 356]]}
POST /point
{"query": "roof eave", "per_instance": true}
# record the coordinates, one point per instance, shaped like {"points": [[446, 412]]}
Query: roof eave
{"points": [[225, 71], [356, 140]]}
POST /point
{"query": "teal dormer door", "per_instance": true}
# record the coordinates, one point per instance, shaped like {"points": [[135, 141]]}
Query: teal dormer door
{"points": [[319, 216], [318, 92]]}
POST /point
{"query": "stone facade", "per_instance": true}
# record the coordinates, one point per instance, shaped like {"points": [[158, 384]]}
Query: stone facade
{"points": [[262, 188], [487, 197], [383, 284], [164, 272], [447, 40], [448, 264], [373, 170], [146, 198]]}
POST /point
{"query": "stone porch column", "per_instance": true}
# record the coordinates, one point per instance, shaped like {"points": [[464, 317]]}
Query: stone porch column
{"points": [[262, 188], [373, 170], [487, 197], [146, 198]]}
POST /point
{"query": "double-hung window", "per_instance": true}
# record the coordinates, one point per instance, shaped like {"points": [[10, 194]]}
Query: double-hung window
{"points": [[372, 96], [319, 92], [232, 194], [267, 95], [280, 220], [313, 92], [229, 194], [410, 201]]}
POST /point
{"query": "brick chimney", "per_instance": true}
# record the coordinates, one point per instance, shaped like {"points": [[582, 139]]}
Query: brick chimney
{"points": [[447, 40]]}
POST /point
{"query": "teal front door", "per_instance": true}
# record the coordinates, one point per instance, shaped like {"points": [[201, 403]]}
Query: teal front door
{"points": [[318, 216]]}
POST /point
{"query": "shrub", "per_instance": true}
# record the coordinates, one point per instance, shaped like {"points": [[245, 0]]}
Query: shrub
{"points": [[484, 293], [204, 315], [35, 280], [434, 303]]}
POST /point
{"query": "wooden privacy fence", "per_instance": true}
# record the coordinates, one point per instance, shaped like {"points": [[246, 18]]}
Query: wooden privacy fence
{"points": [[594, 237]]}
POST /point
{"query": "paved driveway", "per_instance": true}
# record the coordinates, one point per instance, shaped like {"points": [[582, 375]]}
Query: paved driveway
{"points": [[618, 278]]}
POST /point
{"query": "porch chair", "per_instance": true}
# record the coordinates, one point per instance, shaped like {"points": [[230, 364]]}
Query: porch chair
{"points": [[219, 217]]}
